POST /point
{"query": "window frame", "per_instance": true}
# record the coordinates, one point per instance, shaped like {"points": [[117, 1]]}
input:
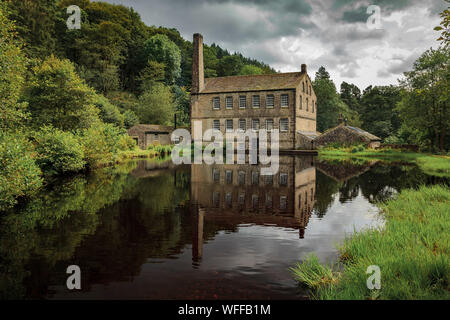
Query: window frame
{"points": [[268, 106], [273, 124], [240, 102], [214, 124], [281, 127], [284, 95], [216, 99], [227, 121], [259, 125], [227, 99], [239, 125], [253, 101]]}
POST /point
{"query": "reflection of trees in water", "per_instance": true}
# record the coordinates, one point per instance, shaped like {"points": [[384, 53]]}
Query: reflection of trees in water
{"points": [[49, 228], [378, 184]]}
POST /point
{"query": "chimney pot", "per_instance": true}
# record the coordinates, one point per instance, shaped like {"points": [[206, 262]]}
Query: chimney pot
{"points": [[303, 68]]}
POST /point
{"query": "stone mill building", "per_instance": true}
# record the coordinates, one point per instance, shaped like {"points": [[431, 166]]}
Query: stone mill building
{"points": [[284, 101]]}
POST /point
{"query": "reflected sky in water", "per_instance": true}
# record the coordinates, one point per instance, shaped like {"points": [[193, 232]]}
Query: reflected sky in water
{"points": [[152, 230]]}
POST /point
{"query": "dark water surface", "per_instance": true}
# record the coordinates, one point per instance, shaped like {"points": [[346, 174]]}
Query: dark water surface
{"points": [[151, 230]]}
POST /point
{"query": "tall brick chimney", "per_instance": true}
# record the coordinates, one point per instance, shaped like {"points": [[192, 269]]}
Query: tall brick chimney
{"points": [[198, 76], [303, 68]]}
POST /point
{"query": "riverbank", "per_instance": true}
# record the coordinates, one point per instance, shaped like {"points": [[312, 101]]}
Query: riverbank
{"points": [[412, 252], [431, 164]]}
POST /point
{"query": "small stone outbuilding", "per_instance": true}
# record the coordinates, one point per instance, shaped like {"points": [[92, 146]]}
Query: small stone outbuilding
{"points": [[304, 140], [347, 135], [150, 134]]}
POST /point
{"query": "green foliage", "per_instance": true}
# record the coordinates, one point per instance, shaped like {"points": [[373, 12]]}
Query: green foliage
{"points": [[329, 103], [182, 106], [156, 105], [411, 251], [109, 113], [424, 100], [250, 69], [130, 119], [377, 109], [101, 144], [58, 97], [19, 174], [444, 27], [58, 152], [12, 70], [161, 49]]}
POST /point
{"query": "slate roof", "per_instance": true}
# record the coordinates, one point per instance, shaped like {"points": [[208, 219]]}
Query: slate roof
{"points": [[151, 128], [309, 134], [364, 133], [277, 81]]}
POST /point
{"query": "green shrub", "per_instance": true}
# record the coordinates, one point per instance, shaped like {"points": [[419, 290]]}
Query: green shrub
{"points": [[130, 119], [19, 174], [109, 113], [58, 151], [101, 144], [126, 143]]}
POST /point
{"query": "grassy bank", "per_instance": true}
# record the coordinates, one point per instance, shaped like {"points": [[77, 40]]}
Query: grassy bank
{"points": [[430, 164], [151, 152], [412, 251]]}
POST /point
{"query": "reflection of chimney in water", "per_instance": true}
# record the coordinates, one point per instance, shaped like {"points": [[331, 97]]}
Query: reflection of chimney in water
{"points": [[302, 233], [197, 234]]}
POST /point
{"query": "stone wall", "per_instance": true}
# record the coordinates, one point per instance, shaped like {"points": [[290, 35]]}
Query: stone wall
{"points": [[341, 135]]}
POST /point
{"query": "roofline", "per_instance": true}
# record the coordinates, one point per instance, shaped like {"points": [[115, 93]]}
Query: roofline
{"points": [[243, 91]]}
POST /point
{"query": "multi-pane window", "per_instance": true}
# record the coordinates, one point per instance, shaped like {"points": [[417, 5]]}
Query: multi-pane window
{"points": [[242, 125], [241, 199], [255, 178], [283, 179], [242, 102], [269, 124], [284, 100], [270, 101], [256, 102], [255, 201], [229, 125], [216, 124], [216, 175], [284, 124], [241, 177], [229, 176], [229, 102], [255, 124], [216, 199], [283, 202], [228, 199], [216, 103]]}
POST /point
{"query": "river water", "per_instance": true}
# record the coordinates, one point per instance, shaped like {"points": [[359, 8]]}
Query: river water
{"points": [[152, 230]]}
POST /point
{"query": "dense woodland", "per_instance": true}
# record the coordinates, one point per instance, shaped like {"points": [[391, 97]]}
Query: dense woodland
{"points": [[68, 96]]}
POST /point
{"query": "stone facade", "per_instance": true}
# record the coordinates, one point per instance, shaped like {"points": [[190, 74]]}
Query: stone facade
{"points": [[347, 135], [240, 192], [220, 99], [146, 135]]}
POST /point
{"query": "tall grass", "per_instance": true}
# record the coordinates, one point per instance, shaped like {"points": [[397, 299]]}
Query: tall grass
{"points": [[412, 251]]}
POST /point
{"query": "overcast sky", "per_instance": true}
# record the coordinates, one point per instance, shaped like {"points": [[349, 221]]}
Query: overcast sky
{"points": [[287, 33]]}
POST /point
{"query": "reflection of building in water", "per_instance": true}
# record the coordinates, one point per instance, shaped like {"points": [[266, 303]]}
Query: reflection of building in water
{"points": [[240, 194], [152, 168]]}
